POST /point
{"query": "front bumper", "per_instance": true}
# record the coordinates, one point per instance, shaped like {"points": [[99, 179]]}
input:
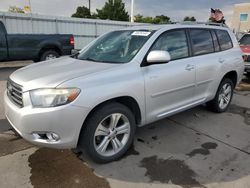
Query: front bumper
{"points": [[66, 121]]}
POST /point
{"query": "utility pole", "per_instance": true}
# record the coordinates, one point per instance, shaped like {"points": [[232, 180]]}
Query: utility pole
{"points": [[132, 11], [90, 6], [30, 6]]}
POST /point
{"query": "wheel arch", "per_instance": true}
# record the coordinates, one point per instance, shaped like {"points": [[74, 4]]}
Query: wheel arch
{"points": [[49, 47], [232, 75], [127, 101]]}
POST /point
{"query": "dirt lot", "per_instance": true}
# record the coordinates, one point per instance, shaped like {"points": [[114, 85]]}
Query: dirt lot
{"points": [[195, 148]]}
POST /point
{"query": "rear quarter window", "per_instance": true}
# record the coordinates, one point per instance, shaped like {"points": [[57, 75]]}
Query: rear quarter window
{"points": [[224, 39]]}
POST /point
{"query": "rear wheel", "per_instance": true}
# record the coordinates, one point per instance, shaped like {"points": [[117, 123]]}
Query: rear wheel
{"points": [[109, 133], [223, 97], [48, 55]]}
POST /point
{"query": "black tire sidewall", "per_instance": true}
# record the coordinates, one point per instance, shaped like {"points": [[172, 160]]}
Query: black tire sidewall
{"points": [[248, 75], [87, 137]]}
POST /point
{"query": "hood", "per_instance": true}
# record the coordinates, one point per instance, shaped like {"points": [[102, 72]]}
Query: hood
{"points": [[51, 73], [245, 49]]}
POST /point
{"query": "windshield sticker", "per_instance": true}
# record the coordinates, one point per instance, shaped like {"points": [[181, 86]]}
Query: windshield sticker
{"points": [[141, 33]]}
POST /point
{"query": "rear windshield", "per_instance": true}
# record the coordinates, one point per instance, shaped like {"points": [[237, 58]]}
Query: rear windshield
{"points": [[245, 40]]}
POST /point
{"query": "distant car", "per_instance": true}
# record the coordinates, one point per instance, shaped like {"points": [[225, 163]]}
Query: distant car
{"points": [[37, 47], [125, 79], [245, 47]]}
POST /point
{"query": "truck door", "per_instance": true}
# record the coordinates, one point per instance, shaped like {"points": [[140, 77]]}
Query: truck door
{"points": [[3, 43]]}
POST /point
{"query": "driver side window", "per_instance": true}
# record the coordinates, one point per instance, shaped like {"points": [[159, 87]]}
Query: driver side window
{"points": [[175, 42]]}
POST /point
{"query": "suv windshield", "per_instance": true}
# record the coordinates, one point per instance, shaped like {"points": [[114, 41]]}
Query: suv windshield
{"points": [[245, 40], [116, 46]]}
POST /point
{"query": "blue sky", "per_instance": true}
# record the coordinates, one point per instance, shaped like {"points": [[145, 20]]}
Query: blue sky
{"points": [[176, 9]]}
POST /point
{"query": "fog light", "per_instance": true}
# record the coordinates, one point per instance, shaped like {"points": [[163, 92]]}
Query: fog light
{"points": [[52, 136]]}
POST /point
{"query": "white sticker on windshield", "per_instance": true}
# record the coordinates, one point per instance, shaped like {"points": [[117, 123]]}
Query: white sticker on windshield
{"points": [[141, 33]]}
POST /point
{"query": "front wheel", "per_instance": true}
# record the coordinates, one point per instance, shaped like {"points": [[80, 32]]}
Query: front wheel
{"points": [[223, 97], [109, 133]]}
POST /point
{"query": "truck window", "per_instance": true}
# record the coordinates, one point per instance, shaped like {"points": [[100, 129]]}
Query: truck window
{"points": [[2, 28]]}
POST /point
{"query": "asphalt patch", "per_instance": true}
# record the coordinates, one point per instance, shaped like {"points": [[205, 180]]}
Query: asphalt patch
{"points": [[9, 144], [170, 171], [131, 151], [204, 150], [61, 168], [140, 140], [242, 111], [4, 125]]}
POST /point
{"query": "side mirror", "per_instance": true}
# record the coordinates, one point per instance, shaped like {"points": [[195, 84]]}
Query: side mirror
{"points": [[158, 56]]}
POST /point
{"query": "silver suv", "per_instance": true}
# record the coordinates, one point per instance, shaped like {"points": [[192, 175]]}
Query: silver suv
{"points": [[125, 79]]}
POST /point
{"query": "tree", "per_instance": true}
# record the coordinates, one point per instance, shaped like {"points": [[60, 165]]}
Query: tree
{"points": [[15, 9], [113, 10], [191, 19], [154, 20], [161, 19], [82, 12]]}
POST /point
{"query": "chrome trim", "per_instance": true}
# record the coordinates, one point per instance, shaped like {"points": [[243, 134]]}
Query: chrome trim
{"points": [[15, 93]]}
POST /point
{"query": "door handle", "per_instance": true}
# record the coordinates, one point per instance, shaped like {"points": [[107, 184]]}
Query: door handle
{"points": [[189, 67], [221, 60]]}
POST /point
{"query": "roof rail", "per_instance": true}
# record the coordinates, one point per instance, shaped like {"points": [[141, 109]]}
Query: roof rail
{"points": [[201, 23]]}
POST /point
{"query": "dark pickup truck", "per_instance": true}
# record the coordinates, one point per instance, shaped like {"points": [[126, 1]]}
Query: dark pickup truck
{"points": [[36, 47]]}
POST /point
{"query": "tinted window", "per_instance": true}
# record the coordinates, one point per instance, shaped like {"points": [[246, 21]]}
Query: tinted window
{"points": [[245, 40], [202, 41], [215, 40], [175, 42], [224, 40]]}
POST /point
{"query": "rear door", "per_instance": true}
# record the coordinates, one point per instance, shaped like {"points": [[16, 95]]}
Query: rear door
{"points": [[3, 43], [206, 56]]}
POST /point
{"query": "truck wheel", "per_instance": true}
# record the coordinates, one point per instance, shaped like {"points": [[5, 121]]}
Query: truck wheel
{"points": [[223, 97], [108, 133], [48, 55]]}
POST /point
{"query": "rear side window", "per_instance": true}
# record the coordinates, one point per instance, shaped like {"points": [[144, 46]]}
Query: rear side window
{"points": [[215, 40], [175, 42], [202, 41], [224, 39]]}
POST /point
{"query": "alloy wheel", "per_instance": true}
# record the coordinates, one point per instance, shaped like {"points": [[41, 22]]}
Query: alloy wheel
{"points": [[112, 134]]}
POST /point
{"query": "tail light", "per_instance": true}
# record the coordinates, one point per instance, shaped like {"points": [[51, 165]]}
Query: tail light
{"points": [[72, 41]]}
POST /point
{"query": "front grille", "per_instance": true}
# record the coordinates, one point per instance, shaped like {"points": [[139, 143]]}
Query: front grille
{"points": [[15, 93]]}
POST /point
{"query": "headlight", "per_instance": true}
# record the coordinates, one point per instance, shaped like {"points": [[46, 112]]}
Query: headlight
{"points": [[44, 98]]}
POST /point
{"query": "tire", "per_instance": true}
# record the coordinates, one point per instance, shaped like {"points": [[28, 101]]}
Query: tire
{"points": [[97, 131], [48, 55], [214, 105], [248, 74]]}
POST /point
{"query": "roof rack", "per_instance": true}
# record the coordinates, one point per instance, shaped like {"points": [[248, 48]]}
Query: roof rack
{"points": [[201, 23]]}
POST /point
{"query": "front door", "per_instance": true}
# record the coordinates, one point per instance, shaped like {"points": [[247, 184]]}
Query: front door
{"points": [[169, 86]]}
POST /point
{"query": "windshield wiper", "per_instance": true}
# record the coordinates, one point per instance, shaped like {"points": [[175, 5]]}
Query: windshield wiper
{"points": [[90, 59]]}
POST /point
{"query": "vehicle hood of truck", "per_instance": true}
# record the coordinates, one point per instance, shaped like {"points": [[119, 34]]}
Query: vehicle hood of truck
{"points": [[245, 49], [52, 73]]}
